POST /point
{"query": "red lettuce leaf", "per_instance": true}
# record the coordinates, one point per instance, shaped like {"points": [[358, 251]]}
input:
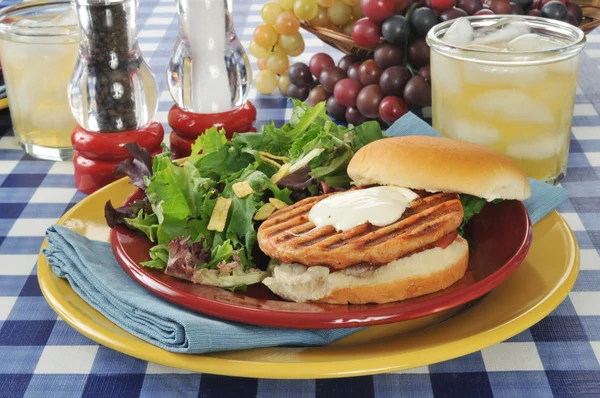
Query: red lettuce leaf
{"points": [[184, 258], [137, 167]]}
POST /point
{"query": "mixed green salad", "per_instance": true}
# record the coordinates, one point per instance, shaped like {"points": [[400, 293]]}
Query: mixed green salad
{"points": [[203, 214]]}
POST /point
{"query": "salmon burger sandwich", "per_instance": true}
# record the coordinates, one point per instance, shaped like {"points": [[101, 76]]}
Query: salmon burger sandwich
{"points": [[397, 233]]}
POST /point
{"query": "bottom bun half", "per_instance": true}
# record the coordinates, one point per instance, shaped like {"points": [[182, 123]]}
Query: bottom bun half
{"points": [[422, 273]]}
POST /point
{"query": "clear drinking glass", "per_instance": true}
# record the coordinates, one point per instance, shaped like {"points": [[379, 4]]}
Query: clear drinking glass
{"points": [[38, 49], [519, 103], [112, 88], [209, 71]]}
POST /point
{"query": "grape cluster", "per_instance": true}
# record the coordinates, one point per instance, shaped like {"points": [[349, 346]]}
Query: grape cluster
{"points": [[375, 89], [398, 76], [279, 38]]}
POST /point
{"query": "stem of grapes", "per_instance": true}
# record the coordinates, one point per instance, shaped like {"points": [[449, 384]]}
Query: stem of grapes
{"points": [[409, 11]]}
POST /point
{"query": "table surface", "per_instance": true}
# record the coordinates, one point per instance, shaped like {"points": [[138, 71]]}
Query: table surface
{"points": [[42, 356]]}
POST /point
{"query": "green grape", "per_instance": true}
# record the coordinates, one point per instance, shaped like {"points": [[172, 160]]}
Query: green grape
{"points": [[265, 36], [357, 12], [287, 23], [290, 43], [351, 3], [297, 51], [347, 29], [325, 3], [321, 19], [306, 10], [277, 49], [262, 63], [286, 5], [257, 50], [270, 12], [265, 81], [284, 83], [339, 13], [278, 63]]}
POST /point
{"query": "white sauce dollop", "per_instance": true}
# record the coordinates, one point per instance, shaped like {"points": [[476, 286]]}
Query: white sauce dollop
{"points": [[379, 206]]}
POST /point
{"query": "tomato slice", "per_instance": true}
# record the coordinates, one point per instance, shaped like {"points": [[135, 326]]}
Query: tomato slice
{"points": [[446, 240]]}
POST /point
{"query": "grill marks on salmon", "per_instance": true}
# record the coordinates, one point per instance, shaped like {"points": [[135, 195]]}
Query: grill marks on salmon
{"points": [[289, 236]]}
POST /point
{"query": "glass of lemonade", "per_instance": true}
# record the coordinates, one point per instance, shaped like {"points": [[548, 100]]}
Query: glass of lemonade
{"points": [[508, 82], [39, 42]]}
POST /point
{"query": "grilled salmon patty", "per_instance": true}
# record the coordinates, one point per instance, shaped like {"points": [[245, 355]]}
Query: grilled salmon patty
{"points": [[291, 237]]}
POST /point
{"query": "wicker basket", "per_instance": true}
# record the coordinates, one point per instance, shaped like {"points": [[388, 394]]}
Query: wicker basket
{"points": [[591, 14], [589, 8]]}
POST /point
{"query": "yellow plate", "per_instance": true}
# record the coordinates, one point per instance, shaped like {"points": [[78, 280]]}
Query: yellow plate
{"points": [[539, 285]]}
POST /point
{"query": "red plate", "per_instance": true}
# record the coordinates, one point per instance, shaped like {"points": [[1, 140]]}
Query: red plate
{"points": [[499, 238]]}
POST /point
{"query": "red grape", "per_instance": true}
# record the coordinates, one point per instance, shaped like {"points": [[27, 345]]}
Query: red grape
{"points": [[299, 92], [452, 13], [369, 72], [418, 53], [516, 9], [346, 61], [425, 71], [469, 6], [484, 11], [441, 5], [500, 6], [335, 109], [537, 4], [300, 75], [366, 32], [393, 80], [368, 101], [318, 62], [353, 116], [377, 10], [400, 6], [575, 11], [571, 20], [387, 55], [534, 12], [417, 92], [353, 71], [346, 91], [316, 95], [391, 109], [330, 76]]}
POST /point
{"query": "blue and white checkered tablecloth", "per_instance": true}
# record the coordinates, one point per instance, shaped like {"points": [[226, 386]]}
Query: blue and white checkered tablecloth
{"points": [[41, 356]]}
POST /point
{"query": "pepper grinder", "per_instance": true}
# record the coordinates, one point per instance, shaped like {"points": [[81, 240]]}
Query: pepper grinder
{"points": [[209, 75], [112, 92]]}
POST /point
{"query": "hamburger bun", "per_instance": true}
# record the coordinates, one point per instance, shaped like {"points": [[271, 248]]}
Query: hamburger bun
{"points": [[422, 273], [438, 164]]}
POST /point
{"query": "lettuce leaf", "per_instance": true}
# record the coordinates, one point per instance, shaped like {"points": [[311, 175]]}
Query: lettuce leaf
{"points": [[159, 255], [211, 141], [148, 224], [472, 205], [179, 199], [138, 167]]}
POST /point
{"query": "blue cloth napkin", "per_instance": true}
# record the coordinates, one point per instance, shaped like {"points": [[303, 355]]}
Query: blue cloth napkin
{"points": [[95, 275]]}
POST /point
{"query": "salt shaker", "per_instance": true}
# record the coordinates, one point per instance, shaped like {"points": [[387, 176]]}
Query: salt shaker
{"points": [[209, 75], [112, 92]]}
